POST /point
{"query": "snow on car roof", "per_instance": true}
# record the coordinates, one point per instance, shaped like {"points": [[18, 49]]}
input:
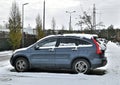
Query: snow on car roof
{"points": [[82, 35], [89, 36]]}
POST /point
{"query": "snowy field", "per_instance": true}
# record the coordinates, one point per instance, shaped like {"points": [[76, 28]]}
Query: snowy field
{"points": [[110, 76]]}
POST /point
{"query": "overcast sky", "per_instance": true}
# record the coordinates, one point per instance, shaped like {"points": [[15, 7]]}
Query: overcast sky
{"points": [[108, 11]]}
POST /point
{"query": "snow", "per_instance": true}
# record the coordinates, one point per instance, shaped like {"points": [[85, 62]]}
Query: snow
{"points": [[112, 77], [113, 57], [89, 36], [5, 53]]}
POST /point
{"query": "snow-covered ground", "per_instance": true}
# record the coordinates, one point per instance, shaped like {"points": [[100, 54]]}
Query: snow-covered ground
{"points": [[5, 55], [112, 76]]}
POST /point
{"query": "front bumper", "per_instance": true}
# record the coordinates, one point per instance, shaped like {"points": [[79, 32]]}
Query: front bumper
{"points": [[11, 60]]}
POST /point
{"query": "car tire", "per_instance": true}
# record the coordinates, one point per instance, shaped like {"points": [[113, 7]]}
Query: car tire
{"points": [[81, 66], [21, 65]]}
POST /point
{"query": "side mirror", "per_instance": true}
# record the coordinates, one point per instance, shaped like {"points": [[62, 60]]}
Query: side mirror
{"points": [[36, 47]]}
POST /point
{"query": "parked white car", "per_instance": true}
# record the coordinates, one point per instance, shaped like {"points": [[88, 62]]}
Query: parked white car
{"points": [[102, 43]]}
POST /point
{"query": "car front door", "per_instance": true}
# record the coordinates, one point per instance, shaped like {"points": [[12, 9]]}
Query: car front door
{"points": [[44, 53]]}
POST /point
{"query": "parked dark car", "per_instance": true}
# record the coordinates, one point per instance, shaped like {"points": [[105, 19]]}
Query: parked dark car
{"points": [[76, 52]]}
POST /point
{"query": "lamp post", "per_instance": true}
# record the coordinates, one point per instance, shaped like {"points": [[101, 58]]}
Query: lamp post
{"points": [[44, 16], [23, 23], [70, 26]]}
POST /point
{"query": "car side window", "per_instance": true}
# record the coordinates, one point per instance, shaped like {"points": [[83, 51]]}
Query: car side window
{"points": [[65, 42], [50, 42], [83, 42]]}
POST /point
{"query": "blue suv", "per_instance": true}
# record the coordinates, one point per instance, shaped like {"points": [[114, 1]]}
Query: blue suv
{"points": [[77, 52]]}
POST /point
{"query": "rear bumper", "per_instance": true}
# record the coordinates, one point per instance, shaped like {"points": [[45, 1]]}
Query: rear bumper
{"points": [[100, 63], [104, 61]]}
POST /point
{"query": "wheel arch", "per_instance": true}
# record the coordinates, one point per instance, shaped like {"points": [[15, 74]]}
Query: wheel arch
{"points": [[77, 58], [20, 56]]}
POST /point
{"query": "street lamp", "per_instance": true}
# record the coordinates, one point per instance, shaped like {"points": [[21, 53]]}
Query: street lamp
{"points": [[44, 16], [23, 23], [70, 27]]}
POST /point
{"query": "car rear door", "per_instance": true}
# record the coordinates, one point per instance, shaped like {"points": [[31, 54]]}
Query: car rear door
{"points": [[65, 51]]}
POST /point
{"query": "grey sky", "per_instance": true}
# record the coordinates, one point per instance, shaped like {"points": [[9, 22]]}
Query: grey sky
{"points": [[108, 11]]}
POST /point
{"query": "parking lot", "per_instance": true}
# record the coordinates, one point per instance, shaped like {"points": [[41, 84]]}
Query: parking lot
{"points": [[108, 75]]}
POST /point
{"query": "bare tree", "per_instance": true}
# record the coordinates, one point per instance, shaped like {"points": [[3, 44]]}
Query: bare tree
{"points": [[86, 20], [63, 27], [39, 30], [80, 23], [53, 24]]}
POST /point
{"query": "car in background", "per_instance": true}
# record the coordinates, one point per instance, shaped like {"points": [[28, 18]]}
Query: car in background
{"points": [[103, 43], [103, 40], [79, 53]]}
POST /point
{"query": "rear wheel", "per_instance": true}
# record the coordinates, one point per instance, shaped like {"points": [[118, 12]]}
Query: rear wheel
{"points": [[81, 66], [21, 65]]}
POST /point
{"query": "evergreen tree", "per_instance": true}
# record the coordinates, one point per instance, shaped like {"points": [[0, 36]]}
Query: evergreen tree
{"points": [[111, 32], [39, 31], [14, 25]]}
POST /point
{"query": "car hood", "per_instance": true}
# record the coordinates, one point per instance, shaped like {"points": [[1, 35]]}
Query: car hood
{"points": [[20, 50]]}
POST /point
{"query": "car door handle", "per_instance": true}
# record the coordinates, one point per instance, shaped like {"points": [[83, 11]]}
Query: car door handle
{"points": [[51, 49], [74, 49]]}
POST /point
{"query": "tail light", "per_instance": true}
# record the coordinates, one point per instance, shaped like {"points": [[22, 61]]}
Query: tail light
{"points": [[98, 50]]}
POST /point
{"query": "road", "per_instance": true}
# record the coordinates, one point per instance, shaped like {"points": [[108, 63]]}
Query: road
{"points": [[5, 55]]}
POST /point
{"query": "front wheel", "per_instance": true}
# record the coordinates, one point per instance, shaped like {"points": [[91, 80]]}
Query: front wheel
{"points": [[81, 66], [21, 65]]}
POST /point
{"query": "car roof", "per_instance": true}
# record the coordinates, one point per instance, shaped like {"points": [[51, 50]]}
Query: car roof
{"points": [[89, 36]]}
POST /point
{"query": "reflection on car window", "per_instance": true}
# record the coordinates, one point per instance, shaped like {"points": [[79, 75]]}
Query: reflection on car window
{"points": [[67, 42], [51, 42]]}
